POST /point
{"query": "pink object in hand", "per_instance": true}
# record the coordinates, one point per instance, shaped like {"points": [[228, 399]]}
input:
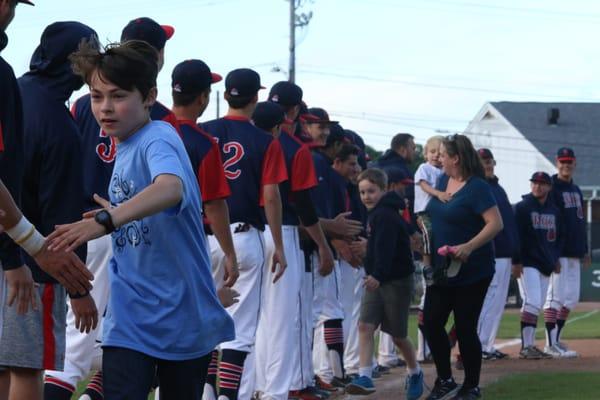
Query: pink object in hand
{"points": [[446, 251]]}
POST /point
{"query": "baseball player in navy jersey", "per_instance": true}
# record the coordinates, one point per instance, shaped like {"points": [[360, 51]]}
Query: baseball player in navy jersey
{"points": [[541, 235], [83, 352], [564, 287], [278, 357], [505, 246], [254, 166]]}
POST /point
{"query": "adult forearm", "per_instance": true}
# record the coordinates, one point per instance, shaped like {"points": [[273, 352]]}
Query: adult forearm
{"points": [[12, 214], [217, 213], [164, 193], [317, 235]]}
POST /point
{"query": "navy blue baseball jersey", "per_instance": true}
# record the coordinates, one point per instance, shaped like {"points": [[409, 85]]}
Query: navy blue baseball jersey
{"points": [[251, 159], [207, 163], [540, 232], [301, 173], [569, 200], [99, 150]]}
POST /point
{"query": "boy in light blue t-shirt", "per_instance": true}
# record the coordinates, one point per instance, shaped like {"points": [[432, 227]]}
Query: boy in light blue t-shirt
{"points": [[163, 314]]}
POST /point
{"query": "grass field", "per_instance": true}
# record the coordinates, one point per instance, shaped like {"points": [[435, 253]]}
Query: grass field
{"points": [[546, 386]]}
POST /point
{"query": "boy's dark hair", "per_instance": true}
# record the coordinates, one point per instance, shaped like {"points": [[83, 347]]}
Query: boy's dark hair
{"points": [[469, 162], [400, 140], [129, 65], [374, 175], [185, 99], [238, 102], [345, 151]]}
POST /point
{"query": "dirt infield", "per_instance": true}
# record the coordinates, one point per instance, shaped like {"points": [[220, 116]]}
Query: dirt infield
{"points": [[392, 386]]}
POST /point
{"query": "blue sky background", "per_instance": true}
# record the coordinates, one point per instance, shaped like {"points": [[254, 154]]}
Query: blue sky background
{"points": [[379, 66]]}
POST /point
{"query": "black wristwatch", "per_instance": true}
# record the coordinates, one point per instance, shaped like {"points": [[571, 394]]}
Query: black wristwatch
{"points": [[103, 218]]}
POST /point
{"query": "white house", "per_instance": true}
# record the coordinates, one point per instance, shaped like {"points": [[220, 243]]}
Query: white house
{"points": [[524, 138]]}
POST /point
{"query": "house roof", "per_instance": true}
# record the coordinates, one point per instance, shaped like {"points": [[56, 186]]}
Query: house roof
{"points": [[578, 127]]}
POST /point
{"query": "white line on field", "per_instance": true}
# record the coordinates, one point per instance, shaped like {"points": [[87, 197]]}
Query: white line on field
{"points": [[516, 341]]}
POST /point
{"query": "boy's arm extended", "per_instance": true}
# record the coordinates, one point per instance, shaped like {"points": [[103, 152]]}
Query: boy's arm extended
{"points": [[165, 192]]}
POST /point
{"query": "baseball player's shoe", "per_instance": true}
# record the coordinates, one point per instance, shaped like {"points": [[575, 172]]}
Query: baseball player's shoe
{"points": [[352, 376], [306, 394], [468, 394], [398, 362], [414, 386], [499, 355], [376, 374], [553, 351], [362, 385], [340, 382], [321, 384], [443, 389], [494, 355], [565, 350], [382, 369], [533, 353]]}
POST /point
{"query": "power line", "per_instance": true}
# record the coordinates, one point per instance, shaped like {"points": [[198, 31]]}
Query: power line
{"points": [[450, 87]]}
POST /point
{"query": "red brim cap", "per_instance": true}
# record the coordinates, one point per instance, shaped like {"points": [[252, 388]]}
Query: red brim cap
{"points": [[169, 31], [565, 158], [216, 78]]}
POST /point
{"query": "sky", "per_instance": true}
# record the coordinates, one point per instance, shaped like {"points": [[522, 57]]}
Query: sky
{"points": [[378, 66]]}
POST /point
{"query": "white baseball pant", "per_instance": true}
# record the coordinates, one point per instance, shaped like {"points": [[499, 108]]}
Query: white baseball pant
{"points": [[352, 290], [278, 334], [304, 376], [83, 351], [327, 305], [493, 305], [533, 286], [564, 288]]}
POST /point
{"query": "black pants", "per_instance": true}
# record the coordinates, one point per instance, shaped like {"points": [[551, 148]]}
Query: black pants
{"points": [[129, 374], [466, 303]]}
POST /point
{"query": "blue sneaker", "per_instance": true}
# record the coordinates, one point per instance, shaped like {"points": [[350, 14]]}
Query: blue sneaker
{"points": [[414, 386], [361, 385]]}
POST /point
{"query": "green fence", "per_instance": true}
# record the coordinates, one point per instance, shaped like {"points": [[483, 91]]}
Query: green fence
{"points": [[590, 283]]}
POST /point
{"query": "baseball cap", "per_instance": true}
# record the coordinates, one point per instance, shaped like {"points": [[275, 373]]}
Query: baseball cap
{"points": [[565, 154], [485, 153], [149, 31], [25, 2], [396, 175], [336, 135], [316, 115], [286, 93], [192, 76], [267, 115], [541, 177], [242, 82]]}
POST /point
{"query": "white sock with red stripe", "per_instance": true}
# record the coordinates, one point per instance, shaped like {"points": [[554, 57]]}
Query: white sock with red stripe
{"points": [[55, 389]]}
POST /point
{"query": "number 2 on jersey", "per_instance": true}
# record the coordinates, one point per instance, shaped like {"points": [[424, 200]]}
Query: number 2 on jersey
{"points": [[237, 152]]}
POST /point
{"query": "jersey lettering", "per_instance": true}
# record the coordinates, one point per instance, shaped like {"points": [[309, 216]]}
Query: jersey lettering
{"points": [[237, 152], [545, 222], [573, 200], [107, 153]]}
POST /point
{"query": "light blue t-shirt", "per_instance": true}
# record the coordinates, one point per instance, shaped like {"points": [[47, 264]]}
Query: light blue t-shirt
{"points": [[163, 301]]}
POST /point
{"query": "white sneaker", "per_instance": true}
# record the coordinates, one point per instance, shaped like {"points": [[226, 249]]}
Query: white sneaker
{"points": [[565, 350], [554, 351]]}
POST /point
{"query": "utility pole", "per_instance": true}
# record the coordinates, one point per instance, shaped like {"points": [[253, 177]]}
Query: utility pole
{"points": [[292, 66], [218, 104], [296, 21]]}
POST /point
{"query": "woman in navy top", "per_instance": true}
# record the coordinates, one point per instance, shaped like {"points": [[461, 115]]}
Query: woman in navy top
{"points": [[468, 223]]}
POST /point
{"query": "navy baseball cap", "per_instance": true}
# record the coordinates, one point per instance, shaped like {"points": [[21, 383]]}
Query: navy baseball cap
{"points": [[316, 115], [149, 31], [267, 115], [541, 177], [485, 153], [286, 93], [25, 2], [565, 154], [192, 76], [336, 135], [242, 82]]}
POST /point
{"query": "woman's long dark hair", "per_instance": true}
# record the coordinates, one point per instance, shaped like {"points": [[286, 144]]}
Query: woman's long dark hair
{"points": [[469, 162]]}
